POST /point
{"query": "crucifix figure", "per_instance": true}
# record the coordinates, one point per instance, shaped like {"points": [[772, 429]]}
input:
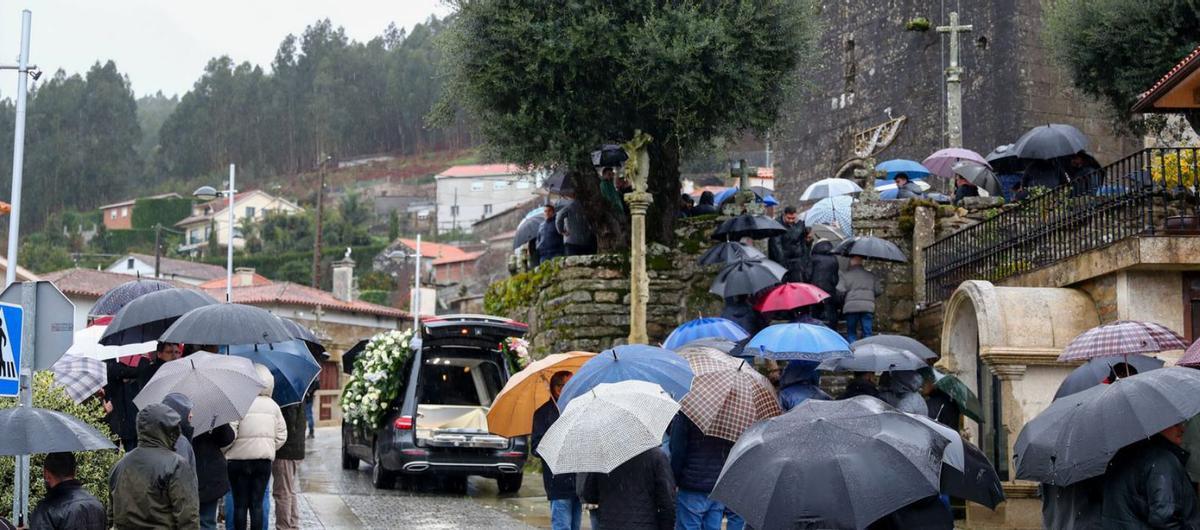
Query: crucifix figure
{"points": [[954, 83]]}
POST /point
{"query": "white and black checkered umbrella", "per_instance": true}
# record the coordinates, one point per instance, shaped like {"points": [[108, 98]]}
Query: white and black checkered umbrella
{"points": [[80, 377], [607, 426], [221, 387]]}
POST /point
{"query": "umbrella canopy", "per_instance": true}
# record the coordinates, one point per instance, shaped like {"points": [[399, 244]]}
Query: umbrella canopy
{"points": [[912, 168], [609, 155], [80, 377], [981, 176], [291, 365], [1046, 142], [558, 182], [721, 345], [146, 317], [221, 387], [1004, 159], [941, 162], [790, 296], [825, 232], [751, 226], [746, 277], [728, 395], [634, 362], [899, 342], [871, 248], [833, 187], [978, 482], [302, 333], [876, 358], [834, 211], [511, 413], [729, 251], [1076, 436], [1191, 357], [1122, 338], [704, 328], [761, 194], [32, 430], [798, 342], [830, 464], [87, 344], [887, 189], [1095, 371], [960, 393], [607, 426], [227, 324], [527, 231], [115, 299]]}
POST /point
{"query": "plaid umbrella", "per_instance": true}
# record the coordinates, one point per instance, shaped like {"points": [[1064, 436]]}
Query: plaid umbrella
{"points": [[834, 211], [80, 377], [118, 296], [727, 395], [1123, 337], [1191, 357]]}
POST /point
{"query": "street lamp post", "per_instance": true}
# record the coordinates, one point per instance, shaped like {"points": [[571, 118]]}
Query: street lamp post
{"points": [[23, 68], [208, 193]]}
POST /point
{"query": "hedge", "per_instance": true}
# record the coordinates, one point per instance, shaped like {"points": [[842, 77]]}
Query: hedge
{"points": [[149, 212]]}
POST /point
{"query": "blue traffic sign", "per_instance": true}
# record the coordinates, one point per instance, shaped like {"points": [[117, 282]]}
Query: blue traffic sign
{"points": [[10, 349]]}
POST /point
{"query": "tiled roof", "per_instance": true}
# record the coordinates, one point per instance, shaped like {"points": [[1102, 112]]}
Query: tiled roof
{"points": [[89, 282], [503, 236], [188, 269], [482, 170], [131, 201], [219, 283], [23, 274], [1173, 76], [469, 256], [288, 293], [434, 250]]}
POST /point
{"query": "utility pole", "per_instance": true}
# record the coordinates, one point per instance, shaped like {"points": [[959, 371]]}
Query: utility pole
{"points": [[316, 263], [954, 83], [157, 248], [18, 161]]}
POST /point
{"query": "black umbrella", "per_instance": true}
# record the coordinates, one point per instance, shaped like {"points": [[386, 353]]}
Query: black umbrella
{"points": [[528, 231], [558, 182], [979, 175], [146, 317], [876, 358], [1076, 436], [746, 277], [978, 482], [872, 248], [728, 252], [352, 354], [898, 341], [751, 226], [224, 324], [1046, 142], [118, 296], [302, 333], [1096, 370], [609, 155], [1004, 159], [830, 464], [31, 430]]}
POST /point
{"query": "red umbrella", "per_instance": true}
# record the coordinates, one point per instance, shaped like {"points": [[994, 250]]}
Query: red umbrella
{"points": [[790, 296]]}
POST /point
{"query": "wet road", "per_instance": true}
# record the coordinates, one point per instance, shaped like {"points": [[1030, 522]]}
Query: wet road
{"points": [[337, 499]]}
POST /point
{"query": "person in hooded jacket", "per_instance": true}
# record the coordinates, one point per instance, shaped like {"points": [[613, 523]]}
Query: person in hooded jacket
{"points": [[258, 436], [696, 462], [152, 486], [183, 407], [861, 384], [637, 495], [1148, 486], [823, 270], [66, 506], [800, 382], [739, 310], [212, 471], [907, 189], [904, 392]]}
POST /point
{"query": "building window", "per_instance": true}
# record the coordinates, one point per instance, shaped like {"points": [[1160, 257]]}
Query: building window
{"points": [[454, 210], [112, 214], [523, 184], [500, 185], [487, 209], [129, 264], [477, 186], [250, 211], [424, 214], [124, 212]]}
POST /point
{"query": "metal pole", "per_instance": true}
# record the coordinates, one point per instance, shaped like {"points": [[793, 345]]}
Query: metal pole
{"points": [[316, 262], [229, 248], [157, 249], [416, 298], [14, 218], [21, 473]]}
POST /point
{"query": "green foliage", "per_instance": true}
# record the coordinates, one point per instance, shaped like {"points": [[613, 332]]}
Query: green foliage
{"points": [[214, 245], [918, 24], [393, 225], [152, 111], [167, 212], [41, 255], [520, 290], [375, 297], [378, 378], [1116, 49], [376, 281], [93, 466], [296, 266]]}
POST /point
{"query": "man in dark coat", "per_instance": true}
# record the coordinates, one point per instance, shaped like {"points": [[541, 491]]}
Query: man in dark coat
{"points": [[213, 471], [790, 249], [823, 269], [566, 512], [66, 506], [121, 413], [152, 486], [696, 462], [862, 384], [549, 241], [1148, 485], [739, 310], [800, 382], [285, 470], [963, 189], [637, 495], [705, 206]]}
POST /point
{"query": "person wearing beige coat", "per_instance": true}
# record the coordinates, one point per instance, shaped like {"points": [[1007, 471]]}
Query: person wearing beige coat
{"points": [[259, 434]]}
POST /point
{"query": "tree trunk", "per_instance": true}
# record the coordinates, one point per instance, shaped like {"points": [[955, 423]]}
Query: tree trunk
{"points": [[606, 224], [664, 185]]}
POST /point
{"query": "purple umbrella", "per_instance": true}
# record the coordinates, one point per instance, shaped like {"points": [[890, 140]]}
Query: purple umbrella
{"points": [[942, 162]]}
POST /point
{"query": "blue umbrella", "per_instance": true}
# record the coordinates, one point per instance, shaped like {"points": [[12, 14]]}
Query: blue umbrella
{"points": [[704, 328], [631, 362], [798, 342], [830, 211], [290, 363], [912, 168]]}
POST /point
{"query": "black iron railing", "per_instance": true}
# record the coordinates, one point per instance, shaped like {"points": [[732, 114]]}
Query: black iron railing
{"points": [[1149, 192]]}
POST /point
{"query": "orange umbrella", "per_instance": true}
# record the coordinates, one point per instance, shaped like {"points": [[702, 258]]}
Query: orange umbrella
{"points": [[512, 411]]}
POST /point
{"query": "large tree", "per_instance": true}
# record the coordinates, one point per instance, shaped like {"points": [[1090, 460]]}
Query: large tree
{"points": [[547, 81], [1116, 49]]}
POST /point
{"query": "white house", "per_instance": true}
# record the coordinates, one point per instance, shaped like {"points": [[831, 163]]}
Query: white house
{"points": [[178, 270], [205, 217], [466, 194]]}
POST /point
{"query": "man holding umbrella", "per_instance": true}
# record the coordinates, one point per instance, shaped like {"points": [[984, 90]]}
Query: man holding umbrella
{"points": [[566, 513], [1148, 486], [696, 462], [790, 249], [549, 241]]}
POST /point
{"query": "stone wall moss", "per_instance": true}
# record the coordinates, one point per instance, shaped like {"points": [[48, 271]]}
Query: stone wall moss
{"points": [[521, 290]]}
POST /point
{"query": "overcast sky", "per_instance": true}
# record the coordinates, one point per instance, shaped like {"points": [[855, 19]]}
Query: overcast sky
{"points": [[164, 44]]}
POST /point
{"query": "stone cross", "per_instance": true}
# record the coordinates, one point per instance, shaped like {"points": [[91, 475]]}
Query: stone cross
{"points": [[637, 170], [954, 82]]}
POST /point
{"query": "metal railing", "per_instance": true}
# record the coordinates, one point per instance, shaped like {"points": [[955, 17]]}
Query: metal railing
{"points": [[1149, 192]]}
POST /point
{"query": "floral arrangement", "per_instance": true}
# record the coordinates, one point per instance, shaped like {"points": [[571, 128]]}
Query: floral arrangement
{"points": [[516, 350], [378, 377]]}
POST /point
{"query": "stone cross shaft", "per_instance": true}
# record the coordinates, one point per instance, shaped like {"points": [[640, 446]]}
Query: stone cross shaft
{"points": [[637, 169], [954, 82]]}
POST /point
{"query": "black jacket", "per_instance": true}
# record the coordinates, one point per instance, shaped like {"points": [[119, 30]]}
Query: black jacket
{"points": [[122, 386], [964, 191], [859, 387], [637, 495], [696, 458], [744, 315], [211, 467], [549, 242], [1147, 486], [790, 249], [823, 267], [1074, 507], [558, 487], [68, 506], [293, 448], [146, 370], [152, 486], [943, 409], [927, 514]]}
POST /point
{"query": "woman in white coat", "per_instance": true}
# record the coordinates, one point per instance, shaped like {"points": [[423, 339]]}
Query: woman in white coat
{"points": [[259, 434]]}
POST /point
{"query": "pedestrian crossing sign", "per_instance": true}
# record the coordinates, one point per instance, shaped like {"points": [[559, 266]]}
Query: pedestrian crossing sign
{"points": [[10, 349]]}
